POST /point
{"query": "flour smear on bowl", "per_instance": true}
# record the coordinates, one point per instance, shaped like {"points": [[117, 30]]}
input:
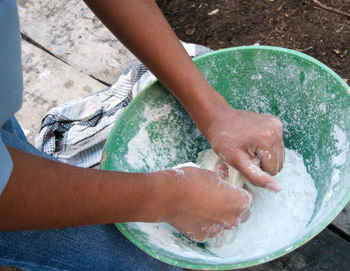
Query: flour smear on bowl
{"points": [[277, 219]]}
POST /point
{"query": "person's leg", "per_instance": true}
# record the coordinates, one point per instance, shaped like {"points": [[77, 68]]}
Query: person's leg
{"points": [[100, 247], [12, 135], [12, 126]]}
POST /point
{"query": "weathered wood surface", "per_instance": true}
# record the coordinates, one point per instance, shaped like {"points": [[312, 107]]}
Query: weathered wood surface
{"points": [[342, 222], [326, 252], [70, 31], [48, 82]]}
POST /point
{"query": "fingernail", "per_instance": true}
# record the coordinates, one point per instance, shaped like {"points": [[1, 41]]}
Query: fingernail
{"points": [[273, 187]]}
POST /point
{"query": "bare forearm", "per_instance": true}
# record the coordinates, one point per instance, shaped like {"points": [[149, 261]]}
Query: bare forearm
{"points": [[46, 194], [141, 26]]}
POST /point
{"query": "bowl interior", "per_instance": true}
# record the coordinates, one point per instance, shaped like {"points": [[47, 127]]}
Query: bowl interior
{"points": [[155, 132]]}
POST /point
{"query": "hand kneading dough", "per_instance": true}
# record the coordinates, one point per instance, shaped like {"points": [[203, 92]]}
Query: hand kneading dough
{"points": [[208, 159]]}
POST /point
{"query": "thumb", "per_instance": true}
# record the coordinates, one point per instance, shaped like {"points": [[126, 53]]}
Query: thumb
{"points": [[254, 173]]}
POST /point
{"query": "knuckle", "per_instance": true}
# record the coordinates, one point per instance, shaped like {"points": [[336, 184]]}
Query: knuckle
{"points": [[245, 216], [275, 123], [274, 171], [279, 124], [233, 223], [263, 154], [234, 161], [269, 167], [267, 134], [246, 201]]}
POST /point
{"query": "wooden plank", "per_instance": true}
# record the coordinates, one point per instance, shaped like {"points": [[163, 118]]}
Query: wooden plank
{"points": [[48, 82], [342, 221], [327, 251], [70, 31]]}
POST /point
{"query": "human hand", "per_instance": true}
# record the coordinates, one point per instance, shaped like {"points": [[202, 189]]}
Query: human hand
{"points": [[238, 136], [205, 204]]}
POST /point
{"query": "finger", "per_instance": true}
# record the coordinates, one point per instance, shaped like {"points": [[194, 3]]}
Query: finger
{"points": [[246, 208], [272, 156], [279, 150], [216, 232], [282, 152], [199, 238], [244, 216], [211, 231], [249, 191], [192, 236], [278, 127], [254, 173], [269, 159], [231, 224], [274, 145]]}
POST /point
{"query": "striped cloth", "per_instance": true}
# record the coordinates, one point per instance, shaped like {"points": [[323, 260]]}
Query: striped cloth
{"points": [[75, 132]]}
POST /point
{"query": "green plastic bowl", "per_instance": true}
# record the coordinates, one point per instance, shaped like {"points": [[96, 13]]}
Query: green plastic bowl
{"points": [[311, 100]]}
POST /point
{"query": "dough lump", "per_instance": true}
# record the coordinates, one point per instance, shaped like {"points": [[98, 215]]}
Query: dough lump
{"points": [[208, 159]]}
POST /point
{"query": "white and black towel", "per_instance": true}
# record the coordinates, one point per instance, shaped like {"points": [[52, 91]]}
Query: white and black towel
{"points": [[75, 132]]}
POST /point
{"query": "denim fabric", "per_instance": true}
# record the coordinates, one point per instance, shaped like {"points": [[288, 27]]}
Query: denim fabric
{"points": [[99, 247], [10, 76], [12, 135]]}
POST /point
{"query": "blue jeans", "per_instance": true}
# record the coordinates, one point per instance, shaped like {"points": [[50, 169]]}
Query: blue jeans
{"points": [[99, 247]]}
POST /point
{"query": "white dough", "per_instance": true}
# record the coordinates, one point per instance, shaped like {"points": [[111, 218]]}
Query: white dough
{"points": [[208, 159]]}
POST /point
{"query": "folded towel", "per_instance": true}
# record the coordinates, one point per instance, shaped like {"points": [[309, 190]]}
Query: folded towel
{"points": [[75, 132]]}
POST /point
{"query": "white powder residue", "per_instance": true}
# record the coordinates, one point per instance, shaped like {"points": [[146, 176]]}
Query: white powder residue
{"points": [[342, 146], [323, 107], [276, 221], [256, 76], [141, 152], [138, 155], [164, 236], [334, 179], [338, 159]]}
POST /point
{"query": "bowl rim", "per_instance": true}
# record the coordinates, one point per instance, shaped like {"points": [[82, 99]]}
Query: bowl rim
{"points": [[268, 257]]}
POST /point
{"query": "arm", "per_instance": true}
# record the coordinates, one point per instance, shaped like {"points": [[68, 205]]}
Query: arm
{"points": [[238, 136], [43, 193]]}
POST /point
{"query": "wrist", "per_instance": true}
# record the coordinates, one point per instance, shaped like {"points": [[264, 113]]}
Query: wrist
{"points": [[148, 200], [208, 114], [168, 193], [203, 105]]}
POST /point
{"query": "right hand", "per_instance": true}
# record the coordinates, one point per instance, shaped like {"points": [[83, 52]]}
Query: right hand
{"points": [[239, 136], [205, 204]]}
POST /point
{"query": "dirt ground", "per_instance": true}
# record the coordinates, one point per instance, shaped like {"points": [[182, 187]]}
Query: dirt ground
{"points": [[299, 24]]}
